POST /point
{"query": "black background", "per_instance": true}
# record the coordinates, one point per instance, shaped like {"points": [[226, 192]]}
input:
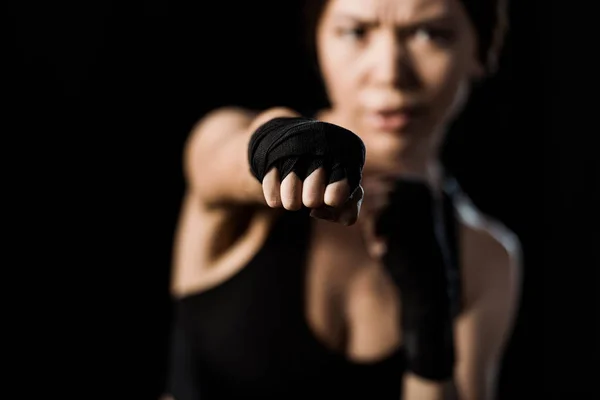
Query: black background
{"points": [[104, 94]]}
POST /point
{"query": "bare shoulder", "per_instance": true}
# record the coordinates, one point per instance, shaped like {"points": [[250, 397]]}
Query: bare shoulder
{"points": [[491, 253], [215, 156], [222, 122], [221, 126], [218, 125], [491, 288]]}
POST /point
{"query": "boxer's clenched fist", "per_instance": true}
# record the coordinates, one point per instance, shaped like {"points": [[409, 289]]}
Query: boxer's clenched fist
{"points": [[332, 202], [304, 162]]}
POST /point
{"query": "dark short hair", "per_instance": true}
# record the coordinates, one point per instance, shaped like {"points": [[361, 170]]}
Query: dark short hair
{"points": [[489, 17]]}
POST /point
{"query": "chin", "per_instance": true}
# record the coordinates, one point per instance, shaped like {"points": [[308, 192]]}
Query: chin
{"points": [[390, 144], [386, 153], [394, 153]]}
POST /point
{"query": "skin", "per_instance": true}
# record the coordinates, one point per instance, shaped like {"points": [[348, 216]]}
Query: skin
{"points": [[417, 57]]}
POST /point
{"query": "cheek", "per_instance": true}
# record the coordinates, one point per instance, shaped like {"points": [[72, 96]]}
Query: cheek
{"points": [[441, 75], [338, 68]]}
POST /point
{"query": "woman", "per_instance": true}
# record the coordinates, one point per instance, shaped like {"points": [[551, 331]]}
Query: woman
{"points": [[274, 304]]}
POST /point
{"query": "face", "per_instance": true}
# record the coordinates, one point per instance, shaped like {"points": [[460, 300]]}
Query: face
{"points": [[396, 71]]}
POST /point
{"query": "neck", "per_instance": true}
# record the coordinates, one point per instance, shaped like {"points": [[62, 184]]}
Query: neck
{"points": [[427, 165], [421, 163], [428, 170]]}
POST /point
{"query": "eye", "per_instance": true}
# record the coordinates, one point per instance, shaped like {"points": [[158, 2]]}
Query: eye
{"points": [[356, 33], [439, 36]]}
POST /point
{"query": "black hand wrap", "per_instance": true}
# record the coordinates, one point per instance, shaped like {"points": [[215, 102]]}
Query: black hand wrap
{"points": [[422, 260], [301, 145]]}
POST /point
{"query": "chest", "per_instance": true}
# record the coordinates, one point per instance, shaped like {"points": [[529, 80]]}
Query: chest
{"points": [[335, 256], [336, 252]]}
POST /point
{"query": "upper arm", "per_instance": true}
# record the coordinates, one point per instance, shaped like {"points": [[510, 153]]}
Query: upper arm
{"points": [[211, 152], [491, 291], [216, 155]]}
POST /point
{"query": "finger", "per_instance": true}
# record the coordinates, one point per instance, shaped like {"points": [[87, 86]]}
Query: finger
{"points": [[272, 188], [347, 214], [313, 189], [350, 211], [291, 192], [337, 193]]}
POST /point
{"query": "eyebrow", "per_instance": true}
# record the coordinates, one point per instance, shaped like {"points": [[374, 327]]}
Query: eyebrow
{"points": [[369, 22], [356, 19]]}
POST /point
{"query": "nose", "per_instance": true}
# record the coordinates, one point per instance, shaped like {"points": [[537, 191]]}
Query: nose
{"points": [[392, 65]]}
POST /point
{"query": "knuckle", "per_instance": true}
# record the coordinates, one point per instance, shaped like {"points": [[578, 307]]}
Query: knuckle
{"points": [[273, 201], [289, 199], [311, 197], [335, 199], [311, 202]]}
